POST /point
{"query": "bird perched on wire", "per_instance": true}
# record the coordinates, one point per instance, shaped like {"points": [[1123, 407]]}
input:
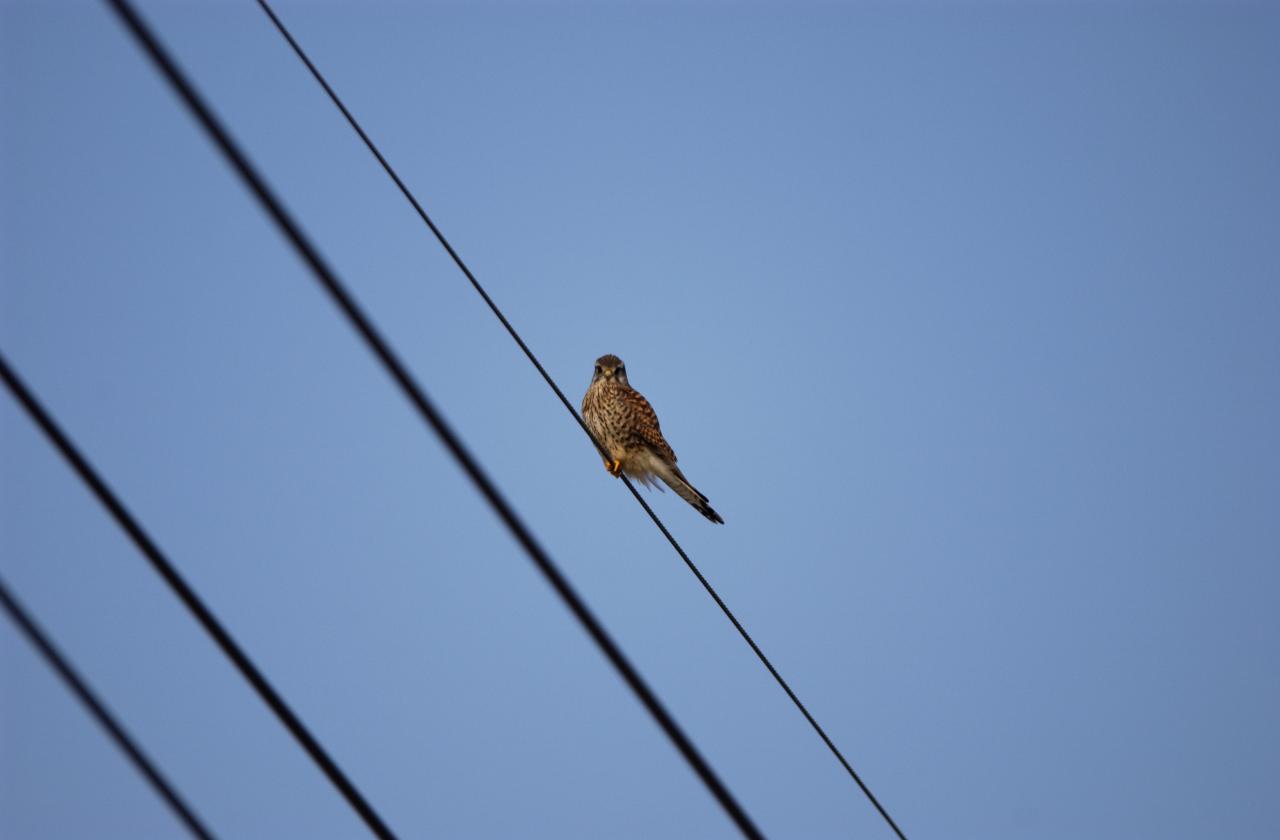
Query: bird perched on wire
{"points": [[625, 424]]}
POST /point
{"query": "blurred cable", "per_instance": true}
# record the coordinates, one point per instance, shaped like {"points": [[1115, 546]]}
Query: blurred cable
{"points": [[326, 277], [572, 411], [191, 600], [105, 719]]}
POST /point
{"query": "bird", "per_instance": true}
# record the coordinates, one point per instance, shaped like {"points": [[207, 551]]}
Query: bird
{"points": [[626, 426]]}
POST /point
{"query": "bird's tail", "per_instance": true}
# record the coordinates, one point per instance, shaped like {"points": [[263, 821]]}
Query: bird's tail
{"points": [[677, 482]]}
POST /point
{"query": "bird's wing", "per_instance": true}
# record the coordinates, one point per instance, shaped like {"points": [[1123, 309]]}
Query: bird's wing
{"points": [[647, 427]]}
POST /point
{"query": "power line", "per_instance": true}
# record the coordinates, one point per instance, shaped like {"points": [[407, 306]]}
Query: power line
{"points": [[191, 600], [380, 348], [100, 713], [319, 77]]}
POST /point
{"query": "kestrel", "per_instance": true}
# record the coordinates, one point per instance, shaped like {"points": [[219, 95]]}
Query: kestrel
{"points": [[627, 427]]}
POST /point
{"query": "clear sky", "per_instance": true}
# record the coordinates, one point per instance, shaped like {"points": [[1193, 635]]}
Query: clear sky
{"points": [[965, 316]]}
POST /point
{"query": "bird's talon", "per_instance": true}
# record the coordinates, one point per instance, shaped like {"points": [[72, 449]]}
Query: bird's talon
{"points": [[614, 467]]}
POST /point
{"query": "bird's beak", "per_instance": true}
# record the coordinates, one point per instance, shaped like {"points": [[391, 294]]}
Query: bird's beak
{"points": [[608, 371]]}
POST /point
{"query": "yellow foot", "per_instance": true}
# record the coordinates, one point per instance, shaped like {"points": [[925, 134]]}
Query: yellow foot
{"points": [[614, 467]]}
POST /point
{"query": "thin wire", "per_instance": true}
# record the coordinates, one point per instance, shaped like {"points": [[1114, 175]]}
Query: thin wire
{"points": [[191, 600], [100, 713], [414, 392], [315, 72]]}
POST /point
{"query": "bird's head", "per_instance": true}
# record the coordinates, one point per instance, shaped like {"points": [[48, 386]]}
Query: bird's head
{"points": [[610, 367]]}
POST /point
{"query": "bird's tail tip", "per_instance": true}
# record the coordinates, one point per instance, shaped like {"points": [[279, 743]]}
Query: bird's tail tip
{"points": [[677, 482]]}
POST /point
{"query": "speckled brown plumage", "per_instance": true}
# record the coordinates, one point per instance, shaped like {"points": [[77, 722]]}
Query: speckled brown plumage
{"points": [[627, 427]]}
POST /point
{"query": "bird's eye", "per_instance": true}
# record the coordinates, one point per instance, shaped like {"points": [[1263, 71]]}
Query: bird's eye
{"points": [[597, 370], [622, 371]]}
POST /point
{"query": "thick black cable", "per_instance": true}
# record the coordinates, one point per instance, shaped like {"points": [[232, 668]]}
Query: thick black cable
{"points": [[100, 713], [382, 350], [573, 411], [191, 600]]}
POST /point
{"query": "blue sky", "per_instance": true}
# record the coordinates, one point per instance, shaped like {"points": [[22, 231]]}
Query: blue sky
{"points": [[963, 315]]}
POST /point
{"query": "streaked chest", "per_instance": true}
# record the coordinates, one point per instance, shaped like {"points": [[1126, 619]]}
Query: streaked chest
{"points": [[605, 406]]}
